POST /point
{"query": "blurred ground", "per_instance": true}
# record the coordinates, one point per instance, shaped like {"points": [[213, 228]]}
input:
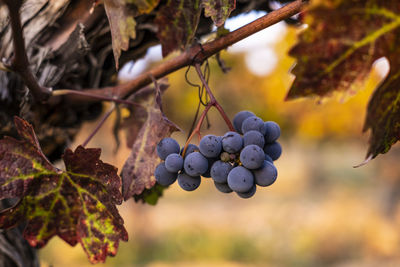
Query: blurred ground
{"points": [[320, 212]]}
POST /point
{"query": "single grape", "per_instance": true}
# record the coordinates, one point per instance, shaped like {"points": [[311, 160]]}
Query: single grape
{"points": [[239, 118], [167, 146], [174, 162], [253, 138], [163, 176], [195, 164], [274, 150], [187, 182], [220, 170], [232, 142], [223, 187], [268, 158], [266, 175], [252, 157], [240, 179], [272, 131], [249, 193], [210, 146], [210, 161], [191, 148], [253, 123]]}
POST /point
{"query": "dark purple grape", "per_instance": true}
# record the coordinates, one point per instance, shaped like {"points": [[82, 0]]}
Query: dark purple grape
{"points": [[210, 161], [195, 164], [163, 176], [249, 193], [272, 131], [268, 158], [252, 157], [191, 148], [239, 118], [187, 182], [240, 179], [274, 150], [232, 142], [174, 162], [167, 146], [220, 170], [266, 175], [223, 187], [253, 138], [210, 146], [253, 123]]}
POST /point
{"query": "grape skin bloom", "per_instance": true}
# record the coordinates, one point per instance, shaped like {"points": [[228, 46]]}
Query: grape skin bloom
{"points": [[220, 171], [195, 164], [232, 142], [187, 182], [274, 150], [266, 175], [240, 179], [163, 176], [252, 157], [253, 123], [254, 138], [167, 146], [272, 131], [223, 187], [174, 162], [249, 193], [210, 146], [239, 118]]}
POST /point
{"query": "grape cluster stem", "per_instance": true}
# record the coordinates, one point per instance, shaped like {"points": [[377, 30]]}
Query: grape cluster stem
{"points": [[212, 103]]}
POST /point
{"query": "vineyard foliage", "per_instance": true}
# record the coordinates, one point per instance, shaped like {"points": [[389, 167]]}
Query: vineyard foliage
{"points": [[334, 54]]}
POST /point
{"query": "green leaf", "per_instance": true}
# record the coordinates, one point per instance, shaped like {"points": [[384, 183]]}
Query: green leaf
{"points": [[150, 196], [336, 52], [122, 26], [177, 22], [138, 171], [218, 10], [77, 204]]}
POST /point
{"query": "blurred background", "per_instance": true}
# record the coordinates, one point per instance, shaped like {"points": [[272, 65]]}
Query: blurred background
{"points": [[320, 212]]}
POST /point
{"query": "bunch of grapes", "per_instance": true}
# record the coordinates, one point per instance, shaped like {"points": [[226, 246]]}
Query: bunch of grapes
{"points": [[237, 162]]}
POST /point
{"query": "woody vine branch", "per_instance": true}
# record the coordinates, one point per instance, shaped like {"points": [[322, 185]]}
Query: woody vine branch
{"points": [[195, 54]]}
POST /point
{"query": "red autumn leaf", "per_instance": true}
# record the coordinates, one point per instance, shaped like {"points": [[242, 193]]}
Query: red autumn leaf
{"points": [[78, 204], [218, 10], [336, 52], [177, 24]]}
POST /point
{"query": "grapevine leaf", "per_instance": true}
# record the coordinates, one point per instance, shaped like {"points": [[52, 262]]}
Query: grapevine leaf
{"points": [[21, 161], [138, 171], [218, 10], [336, 51], [341, 42], [77, 204], [383, 116], [144, 6], [122, 26], [138, 114], [177, 23], [150, 196]]}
